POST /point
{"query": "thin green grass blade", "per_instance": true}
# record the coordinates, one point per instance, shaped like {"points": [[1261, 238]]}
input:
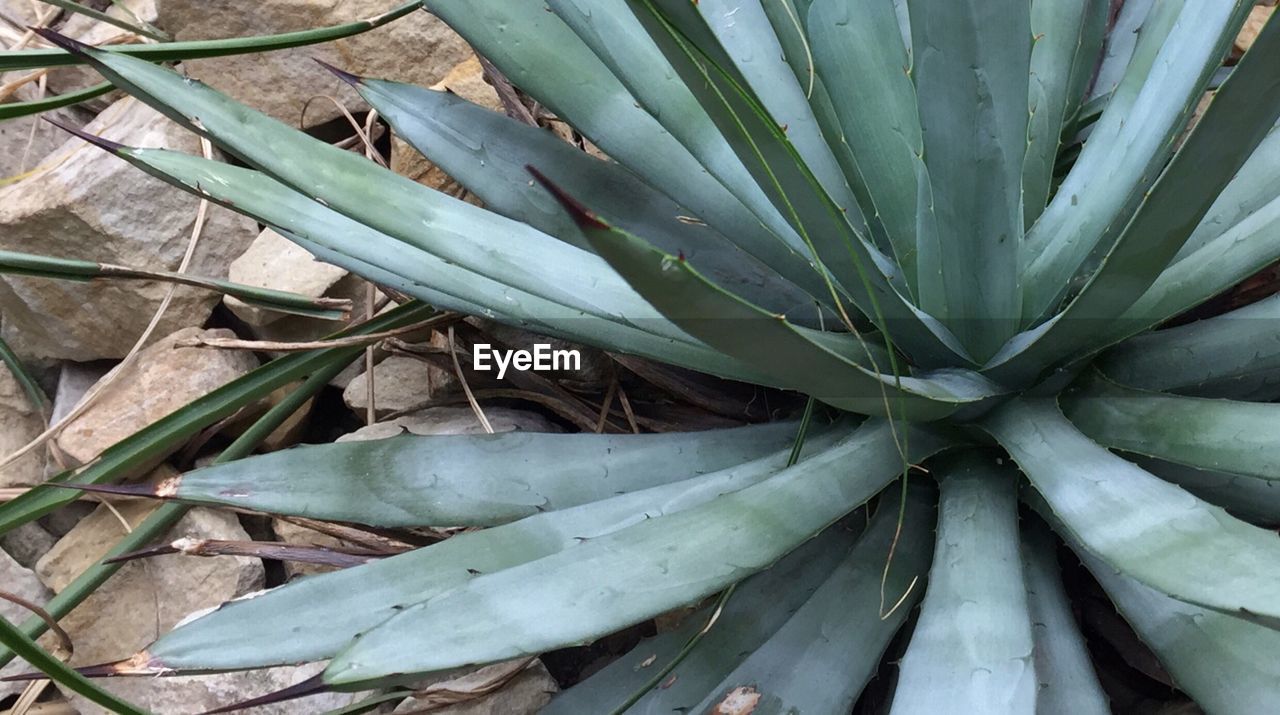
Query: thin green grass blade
{"points": [[1139, 524], [60, 672], [970, 66], [143, 445], [971, 650], [470, 480], [1220, 435], [141, 28], [198, 49], [584, 592], [274, 628], [35, 393], [13, 110], [29, 264], [769, 342]]}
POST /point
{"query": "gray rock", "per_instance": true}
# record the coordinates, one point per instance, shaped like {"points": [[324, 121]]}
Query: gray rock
{"points": [[20, 422], [418, 49], [17, 580], [94, 206], [523, 694], [161, 380], [453, 420], [27, 543], [400, 384], [273, 261]]}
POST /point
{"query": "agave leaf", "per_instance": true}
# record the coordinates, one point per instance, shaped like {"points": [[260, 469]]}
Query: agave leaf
{"points": [[126, 456], [1067, 36], [854, 47], [268, 630], [971, 650], [1252, 189], [759, 606], [488, 153], [1202, 354], [1238, 253], [743, 29], [1255, 500], [856, 266], [769, 342], [197, 49], [1139, 524], [342, 241], [1226, 664], [823, 657], [475, 480], [1181, 45], [542, 56], [510, 252], [1067, 684], [1219, 435], [1235, 123], [1121, 44], [970, 67], [634, 573]]}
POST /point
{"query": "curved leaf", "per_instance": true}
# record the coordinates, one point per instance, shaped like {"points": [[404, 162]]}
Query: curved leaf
{"points": [[970, 63], [971, 650], [1122, 42], [631, 574], [1220, 435], [542, 56], [1254, 186], [855, 48], [1231, 345], [468, 480], [758, 607], [1180, 46], [278, 627], [1255, 500], [1235, 123], [1228, 665], [487, 152], [769, 342], [1139, 524], [823, 657], [1067, 683]]}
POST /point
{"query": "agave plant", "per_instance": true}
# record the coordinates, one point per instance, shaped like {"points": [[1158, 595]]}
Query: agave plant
{"points": [[960, 223]]}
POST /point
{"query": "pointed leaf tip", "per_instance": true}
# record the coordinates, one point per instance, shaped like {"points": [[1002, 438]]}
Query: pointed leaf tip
{"points": [[341, 74], [70, 44], [581, 215], [106, 144], [311, 686]]}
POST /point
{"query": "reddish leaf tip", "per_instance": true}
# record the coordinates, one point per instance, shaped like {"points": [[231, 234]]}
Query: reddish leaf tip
{"points": [[341, 74], [70, 44], [581, 214], [106, 144]]}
